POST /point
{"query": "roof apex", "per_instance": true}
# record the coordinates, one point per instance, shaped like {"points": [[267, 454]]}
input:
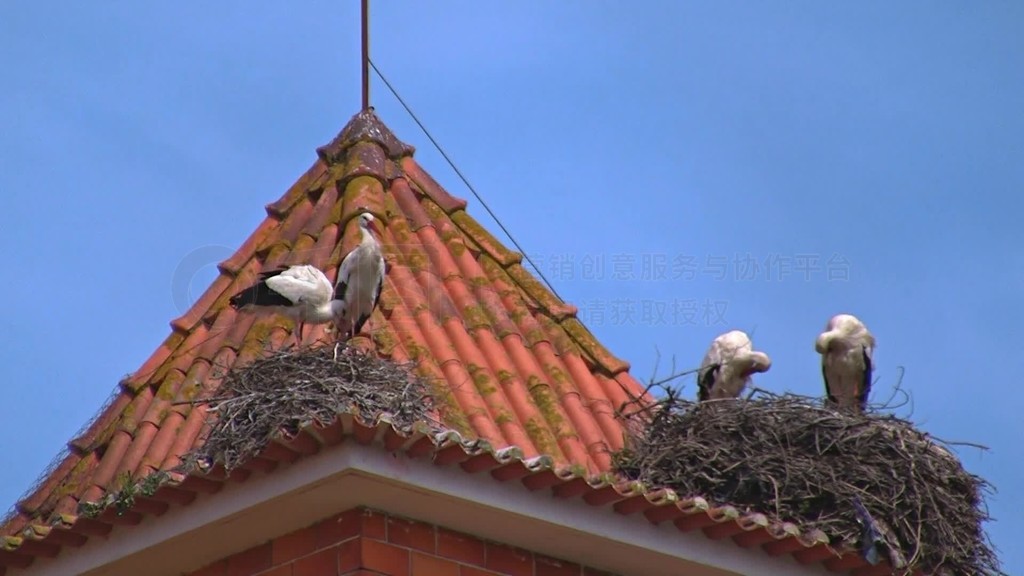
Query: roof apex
{"points": [[364, 127]]}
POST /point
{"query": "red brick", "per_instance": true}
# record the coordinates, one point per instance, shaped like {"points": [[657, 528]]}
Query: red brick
{"points": [[350, 555], [219, 568], [294, 545], [250, 562], [508, 560], [285, 570], [385, 558], [375, 525], [460, 547], [587, 571], [322, 563], [412, 534], [424, 565], [361, 572], [338, 528], [553, 567], [471, 571]]}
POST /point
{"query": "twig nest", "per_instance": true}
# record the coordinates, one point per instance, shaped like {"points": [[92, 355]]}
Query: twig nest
{"points": [[790, 457], [287, 390]]}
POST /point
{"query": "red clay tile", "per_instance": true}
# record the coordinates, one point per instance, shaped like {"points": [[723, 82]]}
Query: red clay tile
{"points": [[136, 409], [844, 563], [293, 225], [363, 191], [165, 437], [298, 190], [144, 435], [430, 186], [407, 201], [161, 405], [185, 438], [107, 468], [234, 264], [94, 435], [552, 412], [158, 357], [192, 317], [32, 504]]}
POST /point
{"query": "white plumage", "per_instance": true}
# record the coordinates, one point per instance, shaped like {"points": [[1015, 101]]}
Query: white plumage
{"points": [[360, 280], [728, 366], [302, 292], [846, 347]]}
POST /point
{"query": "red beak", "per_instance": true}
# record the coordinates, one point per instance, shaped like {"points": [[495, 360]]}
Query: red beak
{"points": [[373, 228]]}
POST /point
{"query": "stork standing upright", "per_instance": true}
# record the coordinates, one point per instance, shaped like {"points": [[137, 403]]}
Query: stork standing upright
{"points": [[728, 366], [360, 279], [846, 347], [302, 292]]}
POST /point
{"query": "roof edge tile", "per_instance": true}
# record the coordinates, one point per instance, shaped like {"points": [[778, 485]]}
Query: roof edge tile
{"points": [[538, 473]]}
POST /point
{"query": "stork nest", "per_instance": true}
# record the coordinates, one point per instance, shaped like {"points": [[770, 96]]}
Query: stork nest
{"points": [[288, 390], [797, 461]]}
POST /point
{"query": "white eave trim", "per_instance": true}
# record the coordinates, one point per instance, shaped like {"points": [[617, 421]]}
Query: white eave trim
{"points": [[269, 505]]}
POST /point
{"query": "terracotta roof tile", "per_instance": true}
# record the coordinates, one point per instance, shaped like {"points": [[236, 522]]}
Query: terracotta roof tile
{"points": [[451, 287], [527, 391]]}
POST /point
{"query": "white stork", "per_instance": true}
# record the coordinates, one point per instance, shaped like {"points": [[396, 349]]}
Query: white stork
{"points": [[360, 280], [846, 348], [302, 292], [728, 366]]}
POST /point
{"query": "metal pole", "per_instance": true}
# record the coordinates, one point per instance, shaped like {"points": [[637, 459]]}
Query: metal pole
{"points": [[366, 54]]}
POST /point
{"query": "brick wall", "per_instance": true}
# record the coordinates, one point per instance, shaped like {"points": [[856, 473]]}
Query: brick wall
{"points": [[367, 542]]}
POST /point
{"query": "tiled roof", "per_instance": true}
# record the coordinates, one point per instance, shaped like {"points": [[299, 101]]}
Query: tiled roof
{"points": [[518, 371]]}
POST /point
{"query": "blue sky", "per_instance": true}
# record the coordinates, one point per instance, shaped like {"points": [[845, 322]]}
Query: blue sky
{"points": [[881, 142]]}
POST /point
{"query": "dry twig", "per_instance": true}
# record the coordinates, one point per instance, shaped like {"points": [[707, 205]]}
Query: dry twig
{"points": [[805, 463], [290, 389]]}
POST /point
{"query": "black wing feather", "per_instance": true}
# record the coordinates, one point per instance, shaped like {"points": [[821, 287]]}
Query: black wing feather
{"points": [[260, 294], [339, 290], [865, 388], [707, 381], [828, 391]]}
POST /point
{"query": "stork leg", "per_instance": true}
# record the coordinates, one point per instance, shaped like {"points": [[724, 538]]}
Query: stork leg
{"points": [[299, 325]]}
